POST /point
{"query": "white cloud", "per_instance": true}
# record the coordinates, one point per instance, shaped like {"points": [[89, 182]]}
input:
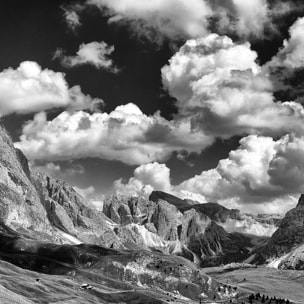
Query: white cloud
{"points": [[291, 56], [261, 172], [246, 19], [286, 67], [172, 18], [286, 169], [72, 17], [252, 16], [98, 203], [224, 92], [29, 89], [126, 134], [48, 168], [93, 53], [146, 178], [243, 174], [188, 19]]}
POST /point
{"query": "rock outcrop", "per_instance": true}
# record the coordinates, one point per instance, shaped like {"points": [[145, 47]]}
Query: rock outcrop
{"points": [[175, 226], [121, 210], [69, 212], [285, 249], [36, 203], [180, 204], [20, 205], [232, 220]]}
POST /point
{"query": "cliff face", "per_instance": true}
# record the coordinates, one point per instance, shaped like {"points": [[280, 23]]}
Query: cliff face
{"points": [[232, 220], [36, 203], [180, 204], [285, 247], [69, 212], [20, 205], [175, 226]]}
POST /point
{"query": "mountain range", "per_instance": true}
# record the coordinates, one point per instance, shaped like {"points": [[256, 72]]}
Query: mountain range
{"points": [[157, 245]]}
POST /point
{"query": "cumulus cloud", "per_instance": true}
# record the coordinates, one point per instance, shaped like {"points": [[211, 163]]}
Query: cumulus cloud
{"points": [[93, 53], [291, 56], [125, 134], [146, 178], [221, 88], [243, 174], [286, 68], [29, 88], [172, 18], [184, 19], [246, 19], [71, 16], [286, 169], [262, 174], [252, 16], [261, 171]]}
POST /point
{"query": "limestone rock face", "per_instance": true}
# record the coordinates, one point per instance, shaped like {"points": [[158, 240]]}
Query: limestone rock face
{"points": [[20, 205], [217, 212], [291, 230], [39, 204], [130, 237], [301, 201], [171, 225], [232, 220], [69, 212], [284, 249], [119, 211], [171, 199], [209, 242], [165, 218]]}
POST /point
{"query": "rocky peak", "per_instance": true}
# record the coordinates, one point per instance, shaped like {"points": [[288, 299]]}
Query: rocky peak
{"points": [[24, 163], [37, 203], [180, 204], [166, 219], [122, 210], [217, 212], [69, 212], [301, 201], [20, 204], [288, 236]]}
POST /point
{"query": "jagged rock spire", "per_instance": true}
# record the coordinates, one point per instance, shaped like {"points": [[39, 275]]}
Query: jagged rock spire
{"points": [[301, 201]]}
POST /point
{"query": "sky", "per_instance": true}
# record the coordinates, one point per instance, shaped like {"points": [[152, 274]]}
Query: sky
{"points": [[201, 99]]}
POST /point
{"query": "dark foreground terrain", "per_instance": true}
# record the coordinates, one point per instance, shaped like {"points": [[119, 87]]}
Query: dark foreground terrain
{"points": [[40, 272], [23, 286]]}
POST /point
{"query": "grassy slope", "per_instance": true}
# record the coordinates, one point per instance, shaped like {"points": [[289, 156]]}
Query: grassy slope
{"points": [[286, 284]]}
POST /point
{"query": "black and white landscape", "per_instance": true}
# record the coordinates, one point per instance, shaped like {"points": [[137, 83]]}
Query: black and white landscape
{"points": [[151, 151]]}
